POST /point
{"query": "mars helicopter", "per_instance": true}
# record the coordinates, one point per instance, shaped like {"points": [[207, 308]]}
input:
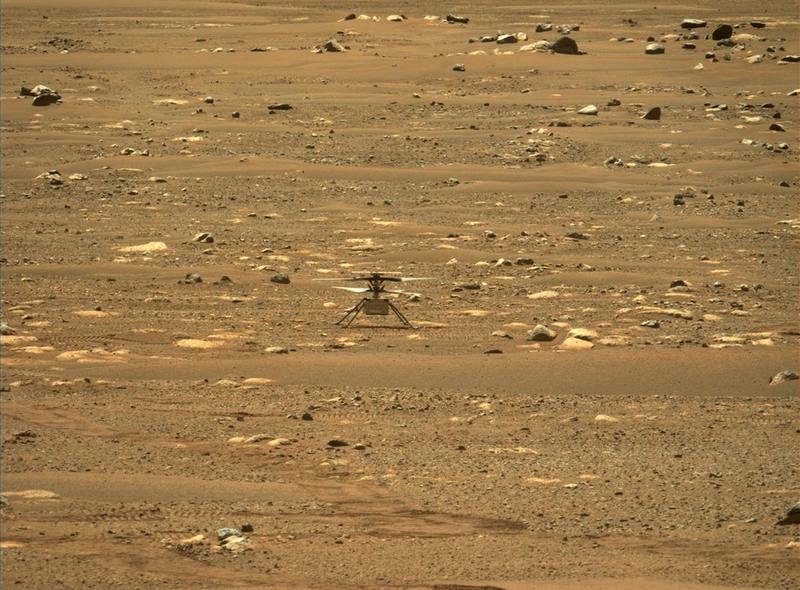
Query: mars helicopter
{"points": [[374, 304]]}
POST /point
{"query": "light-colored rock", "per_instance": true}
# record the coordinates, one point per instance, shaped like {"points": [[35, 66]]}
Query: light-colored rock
{"points": [[145, 248], [575, 344]]}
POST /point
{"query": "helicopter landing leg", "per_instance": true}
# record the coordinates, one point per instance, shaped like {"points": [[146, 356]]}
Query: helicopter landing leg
{"points": [[400, 316], [351, 314]]}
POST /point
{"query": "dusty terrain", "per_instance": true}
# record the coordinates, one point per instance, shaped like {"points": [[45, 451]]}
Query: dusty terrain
{"points": [[142, 412]]}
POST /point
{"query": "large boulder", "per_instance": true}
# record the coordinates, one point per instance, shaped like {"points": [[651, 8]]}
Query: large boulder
{"points": [[722, 32], [565, 45]]}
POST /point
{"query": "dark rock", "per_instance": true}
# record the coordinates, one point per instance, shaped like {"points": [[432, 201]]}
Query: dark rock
{"points": [[614, 102], [777, 127], [236, 114], [689, 46], [492, 351], [191, 279], [791, 58], [566, 46], [653, 114], [281, 278], [280, 106], [350, 16], [651, 324], [792, 515], [523, 261], [247, 528], [208, 100], [757, 24], [459, 68], [307, 417], [338, 443], [654, 49], [453, 18], [45, 100], [574, 235], [543, 27], [722, 32]]}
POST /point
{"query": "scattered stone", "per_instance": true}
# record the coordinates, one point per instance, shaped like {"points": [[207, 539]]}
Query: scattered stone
{"points": [[276, 350], [506, 38], [541, 333], [247, 528], [524, 261], [791, 58], [224, 533], [693, 23], [784, 376], [757, 24], [792, 515], [307, 417], [208, 100], [453, 18], [574, 235], [45, 100], [6, 330], [654, 114], [236, 114], [575, 344], [53, 177], [566, 46], [589, 109], [280, 278], [280, 106], [777, 127], [396, 18], [755, 59], [651, 324], [654, 49], [337, 443], [583, 334], [459, 68], [330, 46], [191, 279], [492, 351], [502, 334], [544, 27], [203, 238], [613, 161], [722, 32]]}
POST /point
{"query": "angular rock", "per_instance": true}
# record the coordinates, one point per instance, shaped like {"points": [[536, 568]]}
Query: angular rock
{"points": [[453, 18], [45, 100], [589, 109], [722, 32], [575, 344], [783, 377], [653, 114], [330, 46], [654, 49], [506, 38], [280, 106], [693, 23], [459, 68], [792, 515], [543, 27], [541, 333], [566, 46], [226, 532], [280, 278], [203, 238], [276, 350], [395, 18]]}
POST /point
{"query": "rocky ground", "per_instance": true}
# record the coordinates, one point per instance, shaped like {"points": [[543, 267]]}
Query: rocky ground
{"points": [[586, 400]]}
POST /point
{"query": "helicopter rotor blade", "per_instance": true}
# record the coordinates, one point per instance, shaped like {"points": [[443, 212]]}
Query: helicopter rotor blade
{"points": [[409, 279], [410, 293], [354, 289]]}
